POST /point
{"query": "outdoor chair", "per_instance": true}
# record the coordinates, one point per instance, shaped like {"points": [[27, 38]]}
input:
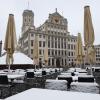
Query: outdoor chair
{"points": [[55, 70], [44, 73], [85, 79], [30, 75], [65, 78], [97, 70], [4, 84], [30, 80]]}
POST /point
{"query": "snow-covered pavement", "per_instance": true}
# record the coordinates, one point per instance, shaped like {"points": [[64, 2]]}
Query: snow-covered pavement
{"points": [[44, 94]]}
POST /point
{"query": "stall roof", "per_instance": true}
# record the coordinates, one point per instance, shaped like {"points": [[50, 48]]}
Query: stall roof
{"points": [[19, 58]]}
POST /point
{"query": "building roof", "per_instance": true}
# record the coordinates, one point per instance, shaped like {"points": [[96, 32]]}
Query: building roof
{"points": [[28, 12], [56, 13], [19, 58]]}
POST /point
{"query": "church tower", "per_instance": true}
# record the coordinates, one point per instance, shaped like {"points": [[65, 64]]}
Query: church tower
{"points": [[28, 20]]}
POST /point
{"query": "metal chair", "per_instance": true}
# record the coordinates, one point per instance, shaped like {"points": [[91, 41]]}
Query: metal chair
{"points": [[86, 79], [30, 79], [30, 74]]}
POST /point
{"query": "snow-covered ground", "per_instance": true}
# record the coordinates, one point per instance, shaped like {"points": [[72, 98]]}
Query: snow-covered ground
{"points": [[75, 86], [56, 84], [44, 94], [85, 87]]}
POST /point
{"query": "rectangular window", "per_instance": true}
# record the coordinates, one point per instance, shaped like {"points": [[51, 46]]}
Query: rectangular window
{"points": [[31, 51], [64, 45], [62, 62], [65, 62], [58, 42], [52, 52], [68, 53], [59, 52], [49, 44], [44, 36], [40, 43], [40, 36], [62, 52], [31, 42], [49, 62], [72, 54], [43, 43], [52, 44], [65, 53], [49, 52], [32, 34], [72, 47], [55, 44], [68, 46], [40, 52], [56, 52], [52, 61]]}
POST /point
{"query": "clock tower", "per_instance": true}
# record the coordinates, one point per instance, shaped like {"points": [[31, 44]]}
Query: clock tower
{"points": [[28, 20]]}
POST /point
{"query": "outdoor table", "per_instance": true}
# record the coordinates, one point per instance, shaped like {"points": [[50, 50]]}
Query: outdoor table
{"points": [[14, 76], [65, 77]]}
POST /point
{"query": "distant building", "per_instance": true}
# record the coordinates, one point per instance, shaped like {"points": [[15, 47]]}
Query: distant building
{"points": [[97, 48], [0, 48], [72, 41]]}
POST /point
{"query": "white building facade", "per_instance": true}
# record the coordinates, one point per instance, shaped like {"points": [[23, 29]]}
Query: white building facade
{"points": [[97, 56], [61, 45], [55, 28]]}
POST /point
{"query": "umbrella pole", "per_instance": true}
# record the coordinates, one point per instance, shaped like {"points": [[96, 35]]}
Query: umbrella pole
{"points": [[8, 68], [90, 69], [35, 67], [9, 64]]}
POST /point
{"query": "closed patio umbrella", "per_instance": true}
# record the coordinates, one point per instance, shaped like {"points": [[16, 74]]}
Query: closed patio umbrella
{"points": [[88, 27], [79, 50], [10, 40], [89, 35], [36, 50], [46, 52]]}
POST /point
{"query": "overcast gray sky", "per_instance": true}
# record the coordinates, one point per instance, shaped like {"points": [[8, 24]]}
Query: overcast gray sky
{"points": [[73, 10]]}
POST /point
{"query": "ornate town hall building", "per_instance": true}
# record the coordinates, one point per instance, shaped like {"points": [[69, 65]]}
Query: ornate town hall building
{"points": [[61, 45]]}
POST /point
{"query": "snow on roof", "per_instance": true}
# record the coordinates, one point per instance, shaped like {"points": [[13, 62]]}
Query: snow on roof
{"points": [[44, 94], [19, 58]]}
